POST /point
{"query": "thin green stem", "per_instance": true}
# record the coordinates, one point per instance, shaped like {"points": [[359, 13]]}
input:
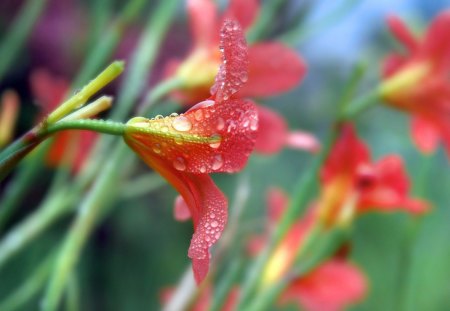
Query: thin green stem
{"points": [[359, 105], [265, 18], [93, 203], [22, 180], [18, 33], [105, 77], [101, 126]]}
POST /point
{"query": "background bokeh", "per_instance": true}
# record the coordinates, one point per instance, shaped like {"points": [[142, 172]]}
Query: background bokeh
{"points": [[138, 248]]}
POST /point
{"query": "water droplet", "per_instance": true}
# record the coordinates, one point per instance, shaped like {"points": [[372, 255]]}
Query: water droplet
{"points": [[174, 114], [231, 127], [217, 162], [157, 148], [159, 117], [212, 215], [246, 123], [243, 76], [178, 139], [198, 115], [202, 169], [220, 124], [225, 97], [179, 164], [254, 124], [216, 138], [182, 124], [214, 224], [207, 238], [217, 235]]}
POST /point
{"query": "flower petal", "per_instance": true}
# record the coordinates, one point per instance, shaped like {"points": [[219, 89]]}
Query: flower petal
{"points": [[402, 33], [181, 209], [272, 131], [303, 141], [233, 71], [207, 205], [245, 12], [209, 137], [273, 69], [347, 154], [203, 21], [48, 90], [437, 41], [425, 135], [390, 190], [330, 287]]}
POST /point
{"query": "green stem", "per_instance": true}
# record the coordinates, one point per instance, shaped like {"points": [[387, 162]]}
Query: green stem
{"points": [[18, 33], [359, 105], [87, 215], [265, 18], [101, 126], [303, 189], [22, 180], [92, 205], [30, 287], [77, 100]]}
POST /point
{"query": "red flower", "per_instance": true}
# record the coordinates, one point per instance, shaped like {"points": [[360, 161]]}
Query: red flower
{"points": [[351, 182], [216, 135], [332, 285], [418, 82], [273, 67], [50, 92]]}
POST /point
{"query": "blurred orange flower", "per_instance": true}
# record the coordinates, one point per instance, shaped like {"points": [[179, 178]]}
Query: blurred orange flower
{"points": [[352, 183], [418, 83], [332, 285]]}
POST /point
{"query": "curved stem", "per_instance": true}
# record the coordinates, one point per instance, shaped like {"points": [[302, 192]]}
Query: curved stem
{"points": [[101, 126]]}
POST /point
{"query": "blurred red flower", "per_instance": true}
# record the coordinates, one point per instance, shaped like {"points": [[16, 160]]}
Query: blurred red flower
{"points": [[332, 285], [418, 83], [273, 67], [70, 146], [216, 135], [352, 183]]}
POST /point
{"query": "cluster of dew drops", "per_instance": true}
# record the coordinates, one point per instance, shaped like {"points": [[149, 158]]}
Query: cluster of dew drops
{"points": [[233, 72]]}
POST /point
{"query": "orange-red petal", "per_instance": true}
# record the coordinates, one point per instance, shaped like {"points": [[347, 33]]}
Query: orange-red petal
{"points": [[390, 188], [332, 286], [210, 137], [347, 154], [425, 135], [273, 69], [402, 33], [233, 71], [181, 209], [245, 12], [204, 22]]}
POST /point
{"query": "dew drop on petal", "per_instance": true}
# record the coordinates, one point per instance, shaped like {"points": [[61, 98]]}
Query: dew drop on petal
{"points": [[220, 124], [254, 124], [159, 117], [181, 124], [202, 169], [212, 215], [178, 139], [157, 148], [179, 164], [214, 224], [217, 140], [217, 162], [198, 115]]}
